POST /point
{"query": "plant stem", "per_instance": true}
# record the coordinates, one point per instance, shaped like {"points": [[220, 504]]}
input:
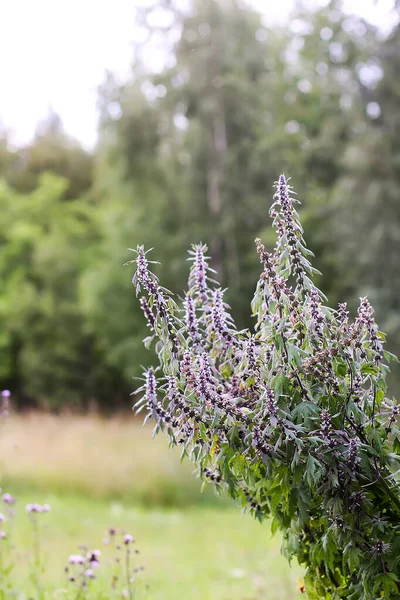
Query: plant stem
{"points": [[127, 573]]}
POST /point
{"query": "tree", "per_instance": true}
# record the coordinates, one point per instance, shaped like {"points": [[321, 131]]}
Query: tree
{"points": [[367, 196], [47, 356], [188, 152], [50, 151]]}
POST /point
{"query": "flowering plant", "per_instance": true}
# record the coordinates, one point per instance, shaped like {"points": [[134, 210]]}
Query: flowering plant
{"points": [[291, 419], [82, 568]]}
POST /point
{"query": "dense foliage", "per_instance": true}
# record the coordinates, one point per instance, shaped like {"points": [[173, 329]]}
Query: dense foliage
{"points": [[293, 419]]}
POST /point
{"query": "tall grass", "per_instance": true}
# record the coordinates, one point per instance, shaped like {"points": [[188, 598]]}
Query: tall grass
{"points": [[98, 473], [100, 458]]}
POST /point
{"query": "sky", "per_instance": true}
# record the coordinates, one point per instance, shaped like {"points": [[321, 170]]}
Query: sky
{"points": [[53, 54]]}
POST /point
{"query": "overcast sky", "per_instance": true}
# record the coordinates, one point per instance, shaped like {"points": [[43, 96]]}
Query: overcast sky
{"points": [[54, 53]]}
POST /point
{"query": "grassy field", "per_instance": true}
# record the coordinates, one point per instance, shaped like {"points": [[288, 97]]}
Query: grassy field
{"points": [[101, 458], [97, 474]]}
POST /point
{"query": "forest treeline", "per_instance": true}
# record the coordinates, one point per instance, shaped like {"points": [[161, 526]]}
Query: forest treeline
{"points": [[188, 150]]}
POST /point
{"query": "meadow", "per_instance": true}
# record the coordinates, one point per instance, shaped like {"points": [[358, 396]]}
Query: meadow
{"points": [[96, 474]]}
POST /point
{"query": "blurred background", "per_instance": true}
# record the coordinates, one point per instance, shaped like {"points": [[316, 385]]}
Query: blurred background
{"points": [[166, 122]]}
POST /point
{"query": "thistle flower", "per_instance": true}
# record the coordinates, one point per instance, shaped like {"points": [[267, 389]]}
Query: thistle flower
{"points": [[128, 539], [8, 499], [33, 508], [94, 556], [89, 573], [76, 559]]}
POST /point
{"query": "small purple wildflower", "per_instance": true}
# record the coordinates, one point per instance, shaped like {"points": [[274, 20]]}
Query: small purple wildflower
{"points": [[89, 573], [76, 559], [128, 539], [8, 499], [34, 508]]}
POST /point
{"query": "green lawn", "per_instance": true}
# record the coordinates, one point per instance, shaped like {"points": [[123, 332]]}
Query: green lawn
{"points": [[195, 554], [98, 473]]}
